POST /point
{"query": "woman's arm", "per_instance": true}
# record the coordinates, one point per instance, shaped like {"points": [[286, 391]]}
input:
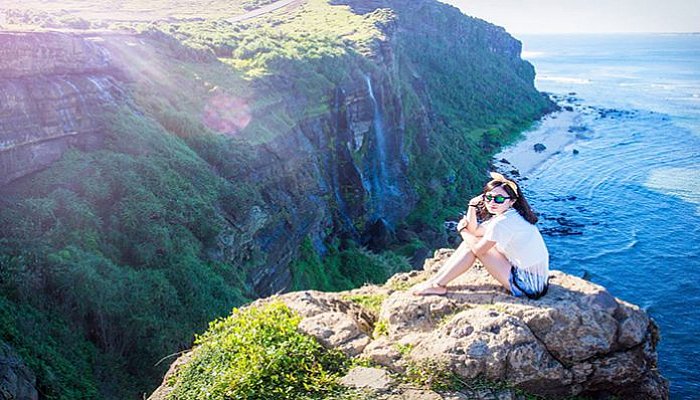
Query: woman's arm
{"points": [[478, 246], [469, 222]]}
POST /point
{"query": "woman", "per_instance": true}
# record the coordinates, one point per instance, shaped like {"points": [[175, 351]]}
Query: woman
{"points": [[506, 242]]}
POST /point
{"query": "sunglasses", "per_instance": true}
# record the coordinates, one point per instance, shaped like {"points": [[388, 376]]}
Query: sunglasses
{"points": [[497, 198]]}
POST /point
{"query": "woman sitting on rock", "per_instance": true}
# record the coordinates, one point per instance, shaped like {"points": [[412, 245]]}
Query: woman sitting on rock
{"points": [[506, 242]]}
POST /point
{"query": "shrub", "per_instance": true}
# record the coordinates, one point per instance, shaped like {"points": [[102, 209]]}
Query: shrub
{"points": [[258, 353], [433, 374], [343, 269]]}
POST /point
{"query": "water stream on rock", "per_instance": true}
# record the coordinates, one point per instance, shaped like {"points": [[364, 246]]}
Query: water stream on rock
{"points": [[379, 180]]}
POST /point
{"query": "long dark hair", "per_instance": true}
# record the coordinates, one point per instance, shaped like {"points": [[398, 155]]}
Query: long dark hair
{"points": [[521, 205]]}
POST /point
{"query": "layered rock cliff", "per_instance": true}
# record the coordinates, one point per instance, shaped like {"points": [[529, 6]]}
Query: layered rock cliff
{"points": [[53, 89], [578, 340]]}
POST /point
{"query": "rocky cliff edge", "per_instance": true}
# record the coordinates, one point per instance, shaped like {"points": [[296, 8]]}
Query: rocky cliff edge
{"points": [[577, 340]]}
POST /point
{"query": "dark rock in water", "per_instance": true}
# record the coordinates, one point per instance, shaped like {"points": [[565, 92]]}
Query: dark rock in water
{"points": [[567, 222], [572, 93], [578, 129], [568, 108], [539, 147], [515, 172], [586, 276], [560, 231], [575, 151], [504, 161], [613, 113]]}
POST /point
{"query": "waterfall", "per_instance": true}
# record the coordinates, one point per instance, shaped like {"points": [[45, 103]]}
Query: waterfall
{"points": [[379, 179], [102, 88], [79, 94], [342, 206], [67, 119], [378, 125]]}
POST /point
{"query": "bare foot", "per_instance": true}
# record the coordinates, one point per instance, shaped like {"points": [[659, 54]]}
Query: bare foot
{"points": [[429, 289]]}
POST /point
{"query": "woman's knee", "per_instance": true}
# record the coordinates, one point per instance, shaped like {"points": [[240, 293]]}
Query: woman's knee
{"points": [[497, 265], [469, 238]]}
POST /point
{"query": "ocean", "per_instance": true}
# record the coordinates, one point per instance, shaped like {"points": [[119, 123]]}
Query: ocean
{"points": [[621, 203]]}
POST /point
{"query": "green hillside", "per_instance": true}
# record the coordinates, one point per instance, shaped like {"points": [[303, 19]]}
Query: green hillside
{"points": [[113, 258]]}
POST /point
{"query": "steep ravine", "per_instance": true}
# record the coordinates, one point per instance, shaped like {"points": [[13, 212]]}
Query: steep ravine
{"points": [[131, 162]]}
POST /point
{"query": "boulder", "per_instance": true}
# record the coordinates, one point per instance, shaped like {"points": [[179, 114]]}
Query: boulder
{"points": [[577, 340], [370, 378]]}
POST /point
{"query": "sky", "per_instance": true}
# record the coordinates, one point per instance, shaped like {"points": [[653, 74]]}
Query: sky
{"points": [[586, 16]]}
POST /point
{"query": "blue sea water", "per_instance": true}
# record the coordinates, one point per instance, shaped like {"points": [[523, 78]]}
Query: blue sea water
{"points": [[631, 196]]}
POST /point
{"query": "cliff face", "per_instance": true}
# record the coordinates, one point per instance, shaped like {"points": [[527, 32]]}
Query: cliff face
{"points": [[17, 382], [56, 88], [200, 179], [576, 340], [53, 89], [345, 171]]}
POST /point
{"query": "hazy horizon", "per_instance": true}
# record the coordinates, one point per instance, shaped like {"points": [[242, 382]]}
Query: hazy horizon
{"points": [[594, 16]]}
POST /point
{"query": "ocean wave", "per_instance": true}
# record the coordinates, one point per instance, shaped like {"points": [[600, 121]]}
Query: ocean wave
{"points": [[683, 183], [664, 86], [531, 54], [615, 250], [564, 79]]}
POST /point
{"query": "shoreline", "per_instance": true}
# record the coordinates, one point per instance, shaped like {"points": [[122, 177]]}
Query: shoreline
{"points": [[556, 131]]}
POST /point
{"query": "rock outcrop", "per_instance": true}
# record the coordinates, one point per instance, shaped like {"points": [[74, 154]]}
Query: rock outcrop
{"points": [[17, 382], [577, 340], [54, 88]]}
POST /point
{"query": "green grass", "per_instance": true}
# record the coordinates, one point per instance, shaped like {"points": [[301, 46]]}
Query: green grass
{"points": [[343, 269], [404, 349], [381, 328], [431, 374], [258, 353], [370, 302]]}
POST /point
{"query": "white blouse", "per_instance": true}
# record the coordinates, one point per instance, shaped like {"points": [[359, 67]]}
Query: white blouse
{"points": [[521, 243]]}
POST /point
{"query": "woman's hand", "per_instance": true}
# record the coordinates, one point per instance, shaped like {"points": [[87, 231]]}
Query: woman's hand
{"points": [[469, 222], [462, 224], [476, 200]]}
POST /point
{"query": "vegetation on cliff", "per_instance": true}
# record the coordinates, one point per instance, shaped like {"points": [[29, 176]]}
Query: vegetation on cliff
{"points": [[259, 353], [112, 258]]}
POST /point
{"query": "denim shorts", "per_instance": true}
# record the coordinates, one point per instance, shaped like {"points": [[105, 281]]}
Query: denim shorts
{"points": [[521, 286]]}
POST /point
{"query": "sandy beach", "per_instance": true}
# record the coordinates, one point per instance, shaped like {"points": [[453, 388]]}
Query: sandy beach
{"points": [[556, 131]]}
